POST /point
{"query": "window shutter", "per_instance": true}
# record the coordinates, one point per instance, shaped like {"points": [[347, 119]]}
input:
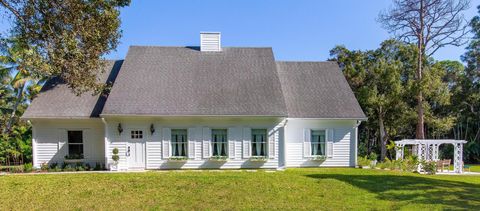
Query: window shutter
{"points": [[306, 143], [247, 136], [207, 135], [167, 135], [231, 142], [330, 135], [191, 136], [271, 144]]}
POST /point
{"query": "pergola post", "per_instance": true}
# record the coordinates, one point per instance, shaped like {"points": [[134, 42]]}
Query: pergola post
{"points": [[399, 154], [458, 158]]}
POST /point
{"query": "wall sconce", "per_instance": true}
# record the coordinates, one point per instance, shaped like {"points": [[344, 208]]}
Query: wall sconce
{"points": [[152, 129], [119, 128]]}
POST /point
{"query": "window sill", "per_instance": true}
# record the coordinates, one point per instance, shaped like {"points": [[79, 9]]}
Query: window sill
{"points": [[74, 160], [177, 159], [258, 159], [317, 158], [218, 158]]}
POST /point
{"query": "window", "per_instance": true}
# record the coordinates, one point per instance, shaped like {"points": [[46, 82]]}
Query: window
{"points": [[318, 142], [259, 142], [136, 134], [219, 142], [179, 143], [75, 144]]}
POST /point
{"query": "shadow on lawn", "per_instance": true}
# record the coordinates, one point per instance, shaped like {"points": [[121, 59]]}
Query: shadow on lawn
{"points": [[411, 189]]}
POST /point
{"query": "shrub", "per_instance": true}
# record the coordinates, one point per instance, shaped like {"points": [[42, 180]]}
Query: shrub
{"points": [[88, 167], [53, 165], [429, 167], [115, 156], [44, 167], [68, 167], [363, 161], [409, 164], [373, 156], [27, 167], [16, 169], [98, 167]]}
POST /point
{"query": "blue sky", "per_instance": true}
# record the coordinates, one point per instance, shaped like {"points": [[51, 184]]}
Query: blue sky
{"points": [[296, 29]]}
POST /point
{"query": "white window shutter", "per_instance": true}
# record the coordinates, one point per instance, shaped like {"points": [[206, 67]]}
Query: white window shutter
{"points": [[307, 143], [231, 142], [271, 144], [191, 135], [247, 136], [207, 136], [330, 135], [167, 135]]}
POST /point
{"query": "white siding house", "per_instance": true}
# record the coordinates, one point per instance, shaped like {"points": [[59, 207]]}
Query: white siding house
{"points": [[207, 107]]}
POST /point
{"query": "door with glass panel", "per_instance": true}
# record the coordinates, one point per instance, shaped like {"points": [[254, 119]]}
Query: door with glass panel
{"points": [[136, 149]]}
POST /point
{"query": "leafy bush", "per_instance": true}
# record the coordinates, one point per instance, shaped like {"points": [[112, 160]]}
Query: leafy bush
{"points": [[373, 156], [429, 167], [68, 167], [16, 169], [98, 167], [44, 167], [115, 156], [409, 164], [88, 167], [27, 167], [363, 161]]}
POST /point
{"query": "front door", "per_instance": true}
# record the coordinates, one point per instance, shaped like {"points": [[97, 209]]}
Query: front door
{"points": [[136, 150]]}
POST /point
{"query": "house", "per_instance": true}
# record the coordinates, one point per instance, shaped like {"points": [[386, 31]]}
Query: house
{"points": [[201, 107]]}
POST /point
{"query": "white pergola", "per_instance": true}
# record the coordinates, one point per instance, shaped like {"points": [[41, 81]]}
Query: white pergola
{"points": [[427, 149]]}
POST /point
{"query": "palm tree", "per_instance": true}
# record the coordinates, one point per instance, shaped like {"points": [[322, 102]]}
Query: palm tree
{"points": [[23, 84]]}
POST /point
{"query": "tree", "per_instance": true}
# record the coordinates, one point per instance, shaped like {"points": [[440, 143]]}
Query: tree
{"points": [[383, 82], [431, 24], [65, 38], [375, 77], [24, 85]]}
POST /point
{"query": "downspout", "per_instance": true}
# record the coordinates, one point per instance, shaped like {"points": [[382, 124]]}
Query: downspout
{"points": [[106, 145], [356, 143], [282, 149], [34, 146]]}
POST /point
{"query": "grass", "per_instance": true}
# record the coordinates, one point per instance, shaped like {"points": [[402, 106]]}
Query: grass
{"points": [[311, 189], [473, 167]]}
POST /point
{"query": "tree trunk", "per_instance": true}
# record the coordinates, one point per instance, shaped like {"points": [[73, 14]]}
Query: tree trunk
{"points": [[420, 131], [383, 141], [14, 110]]}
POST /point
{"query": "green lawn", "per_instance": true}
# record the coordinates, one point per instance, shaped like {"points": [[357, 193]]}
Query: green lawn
{"points": [[312, 189]]}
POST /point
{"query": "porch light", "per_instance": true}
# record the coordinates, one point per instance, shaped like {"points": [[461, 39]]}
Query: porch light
{"points": [[152, 129], [119, 128]]}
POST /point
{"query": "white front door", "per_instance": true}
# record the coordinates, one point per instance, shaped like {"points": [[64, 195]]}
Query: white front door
{"points": [[136, 151]]}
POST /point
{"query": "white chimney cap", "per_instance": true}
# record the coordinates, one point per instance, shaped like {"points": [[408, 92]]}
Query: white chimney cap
{"points": [[210, 41]]}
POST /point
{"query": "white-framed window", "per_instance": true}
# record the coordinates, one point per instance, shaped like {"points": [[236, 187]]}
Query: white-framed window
{"points": [[75, 144], [318, 142], [179, 142], [259, 142], [136, 134], [219, 142]]}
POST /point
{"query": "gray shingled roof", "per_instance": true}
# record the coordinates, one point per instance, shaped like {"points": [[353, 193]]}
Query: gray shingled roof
{"points": [[56, 100], [185, 81], [317, 90]]}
